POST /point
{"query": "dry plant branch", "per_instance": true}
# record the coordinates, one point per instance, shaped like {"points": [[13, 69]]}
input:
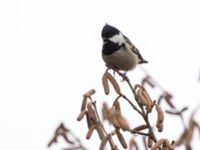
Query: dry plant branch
{"points": [[64, 132], [139, 102], [142, 104], [188, 128], [93, 120]]}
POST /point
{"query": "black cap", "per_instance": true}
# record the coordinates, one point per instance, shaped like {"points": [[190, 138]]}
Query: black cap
{"points": [[109, 31]]}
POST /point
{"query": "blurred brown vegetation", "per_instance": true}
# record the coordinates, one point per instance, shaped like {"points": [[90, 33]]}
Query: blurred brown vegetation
{"points": [[143, 105]]}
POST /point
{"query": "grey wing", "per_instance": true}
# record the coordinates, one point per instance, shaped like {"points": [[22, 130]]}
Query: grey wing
{"points": [[134, 50]]}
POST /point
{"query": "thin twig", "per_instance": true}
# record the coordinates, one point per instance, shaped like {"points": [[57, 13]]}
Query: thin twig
{"points": [[141, 133]]}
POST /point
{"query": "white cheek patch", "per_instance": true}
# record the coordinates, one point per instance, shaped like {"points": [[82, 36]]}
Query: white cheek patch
{"points": [[118, 39]]}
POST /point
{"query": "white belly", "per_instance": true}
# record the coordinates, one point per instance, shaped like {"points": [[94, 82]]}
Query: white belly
{"points": [[121, 60]]}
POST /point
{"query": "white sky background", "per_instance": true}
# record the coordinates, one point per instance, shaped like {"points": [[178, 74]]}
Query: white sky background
{"points": [[50, 54]]}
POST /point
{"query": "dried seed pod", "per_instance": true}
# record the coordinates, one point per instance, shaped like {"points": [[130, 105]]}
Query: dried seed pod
{"points": [[114, 122], [158, 144], [150, 142], [113, 82], [149, 106], [121, 139], [105, 84], [149, 101], [140, 127], [111, 117], [113, 112], [164, 148], [190, 130], [89, 122], [84, 102], [168, 145], [160, 116], [90, 131], [181, 138], [91, 113], [137, 86], [159, 125], [197, 126], [141, 98], [122, 123], [89, 93], [81, 115], [117, 106], [105, 111], [90, 107], [133, 144], [189, 137], [146, 95]]}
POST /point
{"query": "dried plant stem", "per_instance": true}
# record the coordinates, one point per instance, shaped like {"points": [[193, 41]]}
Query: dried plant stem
{"points": [[141, 133], [181, 118], [163, 90], [143, 114]]}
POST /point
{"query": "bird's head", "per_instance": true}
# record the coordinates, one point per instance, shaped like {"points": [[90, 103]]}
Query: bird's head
{"points": [[108, 31]]}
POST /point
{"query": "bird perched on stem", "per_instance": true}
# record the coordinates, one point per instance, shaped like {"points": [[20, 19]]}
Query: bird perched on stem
{"points": [[118, 52]]}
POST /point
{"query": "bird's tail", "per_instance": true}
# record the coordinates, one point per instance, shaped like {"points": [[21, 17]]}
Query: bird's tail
{"points": [[142, 61]]}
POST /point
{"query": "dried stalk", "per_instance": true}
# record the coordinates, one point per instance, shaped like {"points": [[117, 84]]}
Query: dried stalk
{"points": [[142, 112]]}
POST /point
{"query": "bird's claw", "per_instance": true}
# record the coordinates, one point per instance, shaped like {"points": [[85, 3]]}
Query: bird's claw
{"points": [[122, 74], [124, 77]]}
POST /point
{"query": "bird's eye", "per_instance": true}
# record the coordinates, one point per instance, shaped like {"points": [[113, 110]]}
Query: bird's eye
{"points": [[106, 35]]}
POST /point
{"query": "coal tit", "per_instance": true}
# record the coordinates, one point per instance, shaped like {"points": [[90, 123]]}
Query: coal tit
{"points": [[118, 52]]}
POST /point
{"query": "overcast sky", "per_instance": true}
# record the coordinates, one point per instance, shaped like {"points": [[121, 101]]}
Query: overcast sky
{"points": [[50, 54]]}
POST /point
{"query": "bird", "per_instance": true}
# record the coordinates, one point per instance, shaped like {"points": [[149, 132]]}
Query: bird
{"points": [[118, 52]]}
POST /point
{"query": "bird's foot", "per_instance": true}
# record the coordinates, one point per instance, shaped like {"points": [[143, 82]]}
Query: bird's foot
{"points": [[109, 67], [124, 76]]}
